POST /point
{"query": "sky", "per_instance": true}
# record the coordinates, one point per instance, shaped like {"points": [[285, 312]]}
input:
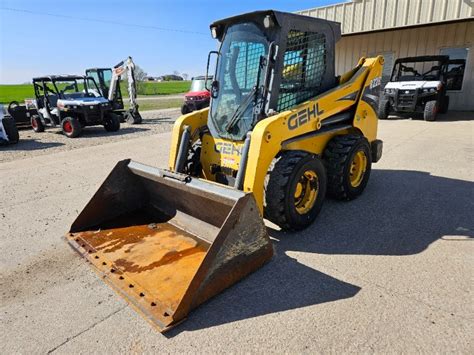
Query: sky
{"points": [[41, 37]]}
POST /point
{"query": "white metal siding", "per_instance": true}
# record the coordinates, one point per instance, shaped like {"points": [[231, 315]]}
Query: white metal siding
{"points": [[407, 42], [373, 15]]}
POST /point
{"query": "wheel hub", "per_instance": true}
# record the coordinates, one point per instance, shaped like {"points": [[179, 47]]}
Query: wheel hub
{"points": [[67, 127], [306, 192], [358, 168]]}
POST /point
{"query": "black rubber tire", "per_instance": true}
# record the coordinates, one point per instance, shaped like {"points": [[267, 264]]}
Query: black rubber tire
{"points": [[280, 188], [338, 157], [112, 122], [185, 109], [11, 130], [383, 109], [444, 104], [11, 107], [75, 125], [430, 111], [193, 164], [36, 124]]}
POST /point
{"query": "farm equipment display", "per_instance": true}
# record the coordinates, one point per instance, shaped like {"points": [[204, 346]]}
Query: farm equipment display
{"points": [[69, 101], [417, 84], [109, 85], [280, 132], [8, 130], [198, 96]]}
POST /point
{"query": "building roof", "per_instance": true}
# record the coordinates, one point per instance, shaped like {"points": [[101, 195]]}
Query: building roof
{"points": [[375, 15]]}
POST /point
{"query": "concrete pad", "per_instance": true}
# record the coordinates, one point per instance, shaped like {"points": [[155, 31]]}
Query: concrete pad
{"points": [[389, 272]]}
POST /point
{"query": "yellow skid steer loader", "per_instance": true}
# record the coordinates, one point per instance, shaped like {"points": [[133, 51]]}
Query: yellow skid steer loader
{"points": [[281, 132]]}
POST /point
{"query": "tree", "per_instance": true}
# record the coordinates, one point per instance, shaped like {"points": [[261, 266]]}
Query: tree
{"points": [[140, 74], [176, 73], [185, 76]]}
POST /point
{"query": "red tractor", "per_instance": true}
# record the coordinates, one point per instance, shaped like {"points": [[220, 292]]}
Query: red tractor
{"points": [[198, 96]]}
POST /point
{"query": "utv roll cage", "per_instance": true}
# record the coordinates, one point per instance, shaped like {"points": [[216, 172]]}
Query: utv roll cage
{"points": [[398, 66], [47, 96]]}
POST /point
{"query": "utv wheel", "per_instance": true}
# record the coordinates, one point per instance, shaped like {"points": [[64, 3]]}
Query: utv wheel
{"points": [[383, 109], [431, 109], [348, 163], [11, 130], [112, 123], [37, 124], [185, 109], [71, 127], [295, 190], [444, 104]]}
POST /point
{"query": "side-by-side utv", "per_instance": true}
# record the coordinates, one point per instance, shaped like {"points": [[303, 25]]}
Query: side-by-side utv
{"points": [[69, 101], [417, 84]]}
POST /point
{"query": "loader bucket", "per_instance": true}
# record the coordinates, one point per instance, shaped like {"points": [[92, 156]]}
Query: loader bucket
{"points": [[167, 242]]}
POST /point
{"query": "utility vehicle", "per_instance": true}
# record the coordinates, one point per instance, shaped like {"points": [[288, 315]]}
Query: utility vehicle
{"points": [[8, 130], [69, 101], [417, 84], [198, 96]]}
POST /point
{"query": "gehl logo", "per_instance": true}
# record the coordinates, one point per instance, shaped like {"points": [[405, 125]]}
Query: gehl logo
{"points": [[304, 116], [227, 148]]}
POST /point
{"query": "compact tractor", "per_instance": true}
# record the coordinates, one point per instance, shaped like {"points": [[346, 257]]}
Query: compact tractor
{"points": [[282, 132]]}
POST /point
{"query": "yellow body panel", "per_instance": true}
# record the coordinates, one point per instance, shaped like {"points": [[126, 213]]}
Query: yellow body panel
{"points": [[269, 135]]}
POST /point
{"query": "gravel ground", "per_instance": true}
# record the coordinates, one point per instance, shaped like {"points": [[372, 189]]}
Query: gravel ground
{"points": [[52, 140]]}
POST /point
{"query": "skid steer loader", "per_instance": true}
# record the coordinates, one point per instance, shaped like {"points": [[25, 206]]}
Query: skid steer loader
{"points": [[281, 130]]}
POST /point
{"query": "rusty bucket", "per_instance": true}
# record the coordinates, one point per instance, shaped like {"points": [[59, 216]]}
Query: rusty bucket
{"points": [[167, 242]]}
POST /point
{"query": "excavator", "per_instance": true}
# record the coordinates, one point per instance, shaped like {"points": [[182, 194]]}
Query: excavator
{"points": [[108, 80], [282, 132]]}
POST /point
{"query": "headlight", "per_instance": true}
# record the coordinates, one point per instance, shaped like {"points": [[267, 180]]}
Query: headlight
{"points": [[389, 91]]}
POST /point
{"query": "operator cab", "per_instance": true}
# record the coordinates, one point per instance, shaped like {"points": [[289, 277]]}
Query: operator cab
{"points": [[268, 61]]}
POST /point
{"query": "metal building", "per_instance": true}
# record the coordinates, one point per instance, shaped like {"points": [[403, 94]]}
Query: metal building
{"points": [[405, 28]]}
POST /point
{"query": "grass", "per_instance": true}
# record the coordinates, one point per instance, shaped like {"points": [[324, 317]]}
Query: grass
{"points": [[19, 93]]}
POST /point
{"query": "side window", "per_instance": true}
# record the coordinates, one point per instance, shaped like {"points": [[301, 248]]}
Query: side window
{"points": [[454, 74], [304, 65]]}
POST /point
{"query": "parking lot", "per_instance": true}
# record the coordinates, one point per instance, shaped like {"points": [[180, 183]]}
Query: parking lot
{"points": [[389, 272]]}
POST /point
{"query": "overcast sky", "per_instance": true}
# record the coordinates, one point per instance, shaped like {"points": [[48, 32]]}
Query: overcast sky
{"points": [[65, 37]]}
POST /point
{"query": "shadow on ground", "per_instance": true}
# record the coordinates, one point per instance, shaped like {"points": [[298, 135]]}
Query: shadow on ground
{"points": [[400, 213], [29, 144], [451, 116], [93, 132]]}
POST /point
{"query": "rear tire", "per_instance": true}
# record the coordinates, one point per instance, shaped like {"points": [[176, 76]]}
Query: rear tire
{"points": [[112, 122], [37, 124], [11, 130], [444, 104], [295, 190], [430, 111], [348, 162], [383, 109], [71, 127]]}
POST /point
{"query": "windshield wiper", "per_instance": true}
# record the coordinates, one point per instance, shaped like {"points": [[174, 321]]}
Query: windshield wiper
{"points": [[241, 109]]}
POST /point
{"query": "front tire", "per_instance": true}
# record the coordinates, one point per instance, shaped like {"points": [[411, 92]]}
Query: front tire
{"points": [[71, 127], [295, 190], [11, 130], [348, 161], [430, 111], [185, 109], [37, 124], [112, 122], [383, 109]]}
